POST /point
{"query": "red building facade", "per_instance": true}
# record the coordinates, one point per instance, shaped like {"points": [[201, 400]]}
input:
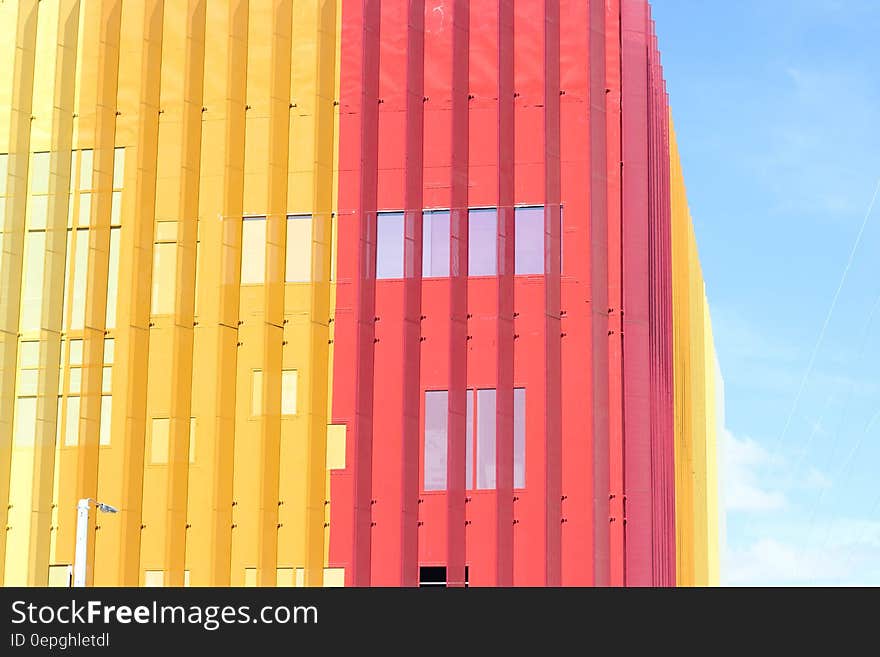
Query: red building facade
{"points": [[503, 327]]}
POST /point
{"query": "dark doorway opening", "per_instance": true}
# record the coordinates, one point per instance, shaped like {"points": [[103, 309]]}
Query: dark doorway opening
{"points": [[435, 576]]}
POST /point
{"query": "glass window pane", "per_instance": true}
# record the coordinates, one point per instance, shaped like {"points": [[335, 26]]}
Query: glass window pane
{"points": [[31, 302], [60, 576], [469, 442], [154, 578], [116, 209], [25, 421], [106, 414], [164, 277], [435, 243], [112, 279], [75, 382], [109, 350], [159, 440], [4, 164], [118, 167], [482, 239], [85, 169], [298, 262], [529, 240], [253, 251], [71, 424], [166, 231], [485, 439], [288, 392], [389, 245], [39, 212], [27, 383], [107, 380], [519, 437], [80, 269], [29, 354], [85, 210], [39, 173], [76, 352], [436, 416]]}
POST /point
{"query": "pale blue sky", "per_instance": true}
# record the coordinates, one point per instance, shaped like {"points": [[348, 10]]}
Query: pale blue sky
{"points": [[777, 109]]}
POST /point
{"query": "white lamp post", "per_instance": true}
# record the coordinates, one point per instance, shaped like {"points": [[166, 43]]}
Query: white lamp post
{"points": [[82, 537]]}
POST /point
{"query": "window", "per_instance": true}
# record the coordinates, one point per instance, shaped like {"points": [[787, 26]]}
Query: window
{"points": [[112, 279], [336, 446], [298, 260], [39, 211], [253, 251], [154, 578], [40, 173], [482, 242], [519, 437], [481, 460], [80, 265], [28, 368], [435, 576], [288, 577], [288, 392], [164, 276], [75, 348], [75, 357], [334, 577], [85, 210], [482, 239], [166, 231], [85, 169], [116, 209], [71, 429], [529, 240], [25, 421], [29, 354], [60, 575], [159, 440], [435, 243], [32, 296], [436, 414], [485, 439], [27, 383], [389, 245]]}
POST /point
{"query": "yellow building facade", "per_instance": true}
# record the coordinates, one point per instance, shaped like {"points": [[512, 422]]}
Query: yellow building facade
{"points": [[122, 124], [699, 401]]}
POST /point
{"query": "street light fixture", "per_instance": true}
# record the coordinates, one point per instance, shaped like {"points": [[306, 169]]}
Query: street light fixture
{"points": [[82, 536]]}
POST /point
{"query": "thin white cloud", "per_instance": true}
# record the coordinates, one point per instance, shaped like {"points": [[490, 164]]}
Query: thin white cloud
{"points": [[843, 554], [815, 478], [744, 461], [770, 562]]}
